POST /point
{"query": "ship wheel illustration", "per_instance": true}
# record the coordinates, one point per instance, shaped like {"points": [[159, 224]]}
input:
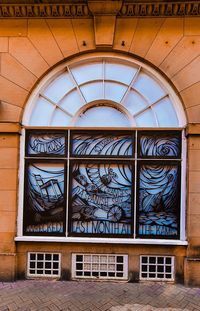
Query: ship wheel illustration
{"points": [[115, 213]]}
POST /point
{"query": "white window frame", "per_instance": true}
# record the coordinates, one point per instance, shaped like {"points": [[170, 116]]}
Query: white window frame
{"points": [[35, 275], [182, 122], [117, 240]]}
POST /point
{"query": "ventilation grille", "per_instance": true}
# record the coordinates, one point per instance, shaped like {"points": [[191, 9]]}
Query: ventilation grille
{"points": [[100, 266], [43, 264], [158, 268]]}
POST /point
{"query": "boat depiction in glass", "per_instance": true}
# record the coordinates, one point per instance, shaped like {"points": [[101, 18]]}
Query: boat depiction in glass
{"points": [[101, 199], [44, 210], [158, 200]]}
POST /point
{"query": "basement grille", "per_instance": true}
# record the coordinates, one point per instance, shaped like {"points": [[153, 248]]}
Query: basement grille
{"points": [[43, 265], [100, 266], [157, 268]]}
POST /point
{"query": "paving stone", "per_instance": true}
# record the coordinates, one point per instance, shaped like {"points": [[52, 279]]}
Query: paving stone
{"points": [[37, 295]]}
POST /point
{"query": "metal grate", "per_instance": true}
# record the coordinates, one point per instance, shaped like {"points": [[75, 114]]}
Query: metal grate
{"points": [[157, 268], [43, 264], [100, 266]]}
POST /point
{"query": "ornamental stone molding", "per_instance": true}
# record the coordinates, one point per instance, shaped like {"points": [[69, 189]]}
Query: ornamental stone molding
{"points": [[87, 9]]}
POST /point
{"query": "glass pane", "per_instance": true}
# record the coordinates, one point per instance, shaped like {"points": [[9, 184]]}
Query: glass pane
{"points": [[59, 87], [158, 200], [148, 87], [46, 143], [87, 72], [166, 113], [105, 144], [146, 119], [60, 118], [42, 112], [44, 208], [134, 102], [114, 91], [101, 199], [92, 91], [159, 144], [72, 102], [119, 72], [103, 116]]}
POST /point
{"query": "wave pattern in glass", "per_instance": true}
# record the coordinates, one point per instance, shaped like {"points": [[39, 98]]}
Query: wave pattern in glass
{"points": [[158, 203], [46, 144], [44, 210], [102, 145], [160, 145], [101, 199]]}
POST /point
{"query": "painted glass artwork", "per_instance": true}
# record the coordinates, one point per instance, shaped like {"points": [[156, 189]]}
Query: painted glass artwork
{"points": [[158, 200], [104, 144], [159, 145], [44, 211], [46, 144], [101, 199]]}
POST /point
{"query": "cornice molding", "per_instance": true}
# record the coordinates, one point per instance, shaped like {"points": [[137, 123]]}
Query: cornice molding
{"points": [[81, 9]]}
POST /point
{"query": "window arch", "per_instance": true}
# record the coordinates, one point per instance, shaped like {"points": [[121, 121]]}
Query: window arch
{"points": [[129, 84], [103, 153]]}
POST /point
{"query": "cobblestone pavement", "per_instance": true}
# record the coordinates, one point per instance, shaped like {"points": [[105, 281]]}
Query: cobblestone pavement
{"points": [[45, 295]]}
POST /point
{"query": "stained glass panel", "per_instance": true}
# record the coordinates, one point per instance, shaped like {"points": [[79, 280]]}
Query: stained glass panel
{"points": [[159, 144], [102, 144], [101, 199], [44, 208], [158, 200], [46, 144]]}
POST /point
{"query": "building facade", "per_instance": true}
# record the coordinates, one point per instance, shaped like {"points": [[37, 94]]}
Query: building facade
{"points": [[100, 139]]}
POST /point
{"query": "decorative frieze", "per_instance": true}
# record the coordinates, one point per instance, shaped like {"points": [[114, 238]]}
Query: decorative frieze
{"points": [[44, 11], [82, 9], [152, 9]]}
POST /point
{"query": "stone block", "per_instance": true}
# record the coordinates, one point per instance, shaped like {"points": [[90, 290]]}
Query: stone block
{"points": [[26, 54], [145, 34], [7, 267], [16, 72], [13, 27], [193, 114], [168, 36], [192, 271], [184, 52], [191, 95], [7, 221], [8, 179], [104, 27], [44, 42], [12, 93], [193, 160], [8, 200], [124, 31], [188, 76], [3, 44], [63, 33], [10, 113], [191, 26], [9, 158], [194, 181], [9, 141], [84, 32]]}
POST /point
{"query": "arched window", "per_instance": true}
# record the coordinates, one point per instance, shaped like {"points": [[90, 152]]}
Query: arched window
{"points": [[103, 153]]}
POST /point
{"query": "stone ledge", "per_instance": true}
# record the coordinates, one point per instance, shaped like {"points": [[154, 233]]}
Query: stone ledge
{"points": [[10, 127], [193, 129]]}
